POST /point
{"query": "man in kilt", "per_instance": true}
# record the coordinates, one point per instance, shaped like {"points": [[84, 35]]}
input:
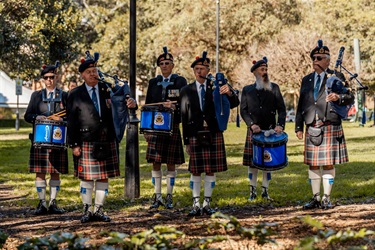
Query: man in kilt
{"points": [[315, 110], [201, 134], [42, 107], [165, 89], [91, 135], [260, 103]]}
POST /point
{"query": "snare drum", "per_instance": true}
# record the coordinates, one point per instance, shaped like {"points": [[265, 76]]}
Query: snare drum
{"points": [[50, 134], [269, 152], [157, 120]]}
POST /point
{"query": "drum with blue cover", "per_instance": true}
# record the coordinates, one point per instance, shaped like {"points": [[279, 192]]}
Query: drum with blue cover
{"points": [[269, 151], [50, 134], [156, 120]]}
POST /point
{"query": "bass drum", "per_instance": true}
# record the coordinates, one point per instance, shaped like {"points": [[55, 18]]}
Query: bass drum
{"points": [[269, 152]]}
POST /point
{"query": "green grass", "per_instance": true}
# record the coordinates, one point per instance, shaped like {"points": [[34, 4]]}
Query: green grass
{"points": [[354, 181]]}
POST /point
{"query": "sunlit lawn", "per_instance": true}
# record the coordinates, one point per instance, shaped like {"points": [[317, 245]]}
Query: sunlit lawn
{"points": [[354, 181]]}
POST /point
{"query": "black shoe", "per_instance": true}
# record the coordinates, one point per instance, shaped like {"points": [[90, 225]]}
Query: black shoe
{"points": [[169, 201], [313, 203], [196, 211], [253, 193], [265, 194], [326, 203], [157, 201], [53, 209], [100, 216], [41, 209], [87, 215], [207, 209]]}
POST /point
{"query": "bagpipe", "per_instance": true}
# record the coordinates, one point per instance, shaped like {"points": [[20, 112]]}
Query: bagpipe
{"points": [[221, 101], [338, 84], [119, 92]]}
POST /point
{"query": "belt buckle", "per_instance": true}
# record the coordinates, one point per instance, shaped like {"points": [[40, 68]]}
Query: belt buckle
{"points": [[205, 124]]}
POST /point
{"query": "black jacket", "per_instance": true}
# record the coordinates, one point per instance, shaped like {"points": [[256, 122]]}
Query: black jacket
{"points": [[260, 107], [84, 122], [191, 114], [172, 93], [39, 107], [307, 107]]}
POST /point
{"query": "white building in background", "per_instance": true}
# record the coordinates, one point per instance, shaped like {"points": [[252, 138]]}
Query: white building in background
{"points": [[8, 97]]}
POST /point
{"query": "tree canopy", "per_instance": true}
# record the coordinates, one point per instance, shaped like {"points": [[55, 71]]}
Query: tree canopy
{"points": [[33, 32]]}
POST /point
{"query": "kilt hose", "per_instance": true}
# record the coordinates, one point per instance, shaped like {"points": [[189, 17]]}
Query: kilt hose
{"points": [[48, 160], [89, 168], [248, 150], [210, 159], [166, 149], [332, 151]]}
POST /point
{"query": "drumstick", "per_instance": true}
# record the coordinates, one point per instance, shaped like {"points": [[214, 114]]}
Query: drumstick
{"points": [[157, 103], [60, 114]]}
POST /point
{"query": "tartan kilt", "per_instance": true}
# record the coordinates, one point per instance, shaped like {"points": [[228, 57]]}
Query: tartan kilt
{"points": [[88, 168], [51, 161], [332, 151], [248, 150], [210, 159], [166, 149]]}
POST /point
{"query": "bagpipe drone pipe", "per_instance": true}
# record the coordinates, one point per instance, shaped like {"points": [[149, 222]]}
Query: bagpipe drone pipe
{"points": [[338, 84], [221, 101]]}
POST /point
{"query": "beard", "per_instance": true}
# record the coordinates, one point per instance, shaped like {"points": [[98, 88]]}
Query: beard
{"points": [[263, 82]]}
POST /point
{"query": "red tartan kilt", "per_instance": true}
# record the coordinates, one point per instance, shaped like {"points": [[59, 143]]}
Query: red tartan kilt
{"points": [[332, 151], [210, 159], [166, 149], [88, 168], [248, 150], [48, 161]]}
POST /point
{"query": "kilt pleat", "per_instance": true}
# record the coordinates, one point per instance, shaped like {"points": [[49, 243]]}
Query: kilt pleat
{"points": [[248, 149], [332, 151], [166, 149], [48, 161], [210, 159], [89, 168]]}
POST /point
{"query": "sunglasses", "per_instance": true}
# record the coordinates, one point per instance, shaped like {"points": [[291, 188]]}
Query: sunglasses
{"points": [[48, 77], [164, 63], [318, 58]]}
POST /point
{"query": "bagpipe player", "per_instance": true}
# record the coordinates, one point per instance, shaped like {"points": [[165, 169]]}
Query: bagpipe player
{"points": [[325, 144], [201, 134]]}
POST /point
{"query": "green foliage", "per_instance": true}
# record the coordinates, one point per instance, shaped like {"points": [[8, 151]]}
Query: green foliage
{"points": [[330, 236], [259, 232], [73, 241], [3, 238]]}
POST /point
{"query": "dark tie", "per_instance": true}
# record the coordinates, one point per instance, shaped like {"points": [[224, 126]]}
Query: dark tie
{"points": [[203, 95], [166, 80], [316, 88], [95, 99], [50, 102]]}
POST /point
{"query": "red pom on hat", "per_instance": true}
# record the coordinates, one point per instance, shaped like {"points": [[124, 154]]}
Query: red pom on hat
{"points": [[197, 57], [254, 62], [83, 60], [44, 66]]}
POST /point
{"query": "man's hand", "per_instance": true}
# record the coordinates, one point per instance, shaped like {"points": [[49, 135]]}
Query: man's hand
{"points": [[299, 135], [255, 128], [332, 97], [279, 129], [76, 151], [131, 103], [169, 104], [225, 90]]}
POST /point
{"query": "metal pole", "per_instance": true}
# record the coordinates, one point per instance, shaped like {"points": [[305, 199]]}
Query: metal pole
{"points": [[217, 33], [132, 182], [17, 115]]}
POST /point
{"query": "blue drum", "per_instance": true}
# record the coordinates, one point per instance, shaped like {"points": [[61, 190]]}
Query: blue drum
{"points": [[50, 134], [156, 120], [269, 152]]}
